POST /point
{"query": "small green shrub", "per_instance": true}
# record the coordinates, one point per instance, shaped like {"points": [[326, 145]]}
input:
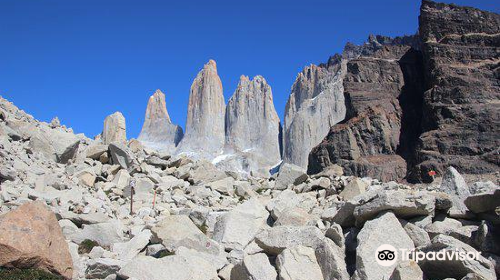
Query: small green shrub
{"points": [[260, 190], [27, 274], [165, 253], [86, 246], [203, 228]]}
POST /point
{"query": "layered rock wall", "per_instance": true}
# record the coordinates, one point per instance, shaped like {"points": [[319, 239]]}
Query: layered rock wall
{"points": [[367, 142], [461, 109]]}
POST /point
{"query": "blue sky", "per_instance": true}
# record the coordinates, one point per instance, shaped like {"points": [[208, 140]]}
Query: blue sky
{"points": [[83, 60]]}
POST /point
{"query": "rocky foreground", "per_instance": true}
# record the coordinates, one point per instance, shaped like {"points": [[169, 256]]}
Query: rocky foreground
{"points": [[67, 206]]}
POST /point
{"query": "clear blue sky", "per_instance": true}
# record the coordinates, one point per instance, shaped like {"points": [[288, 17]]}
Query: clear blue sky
{"points": [[82, 60]]}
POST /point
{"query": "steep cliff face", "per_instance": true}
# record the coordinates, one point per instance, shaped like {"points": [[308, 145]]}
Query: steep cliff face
{"points": [[367, 142], [455, 122], [158, 131], [205, 135], [252, 124], [461, 119], [315, 104]]}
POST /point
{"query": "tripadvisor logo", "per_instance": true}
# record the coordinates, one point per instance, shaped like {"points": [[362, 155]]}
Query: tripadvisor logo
{"points": [[388, 255]]}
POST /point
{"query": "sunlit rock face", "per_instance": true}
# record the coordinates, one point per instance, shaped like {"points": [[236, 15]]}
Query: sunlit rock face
{"points": [[315, 104], [461, 116], [252, 124], [114, 129], [371, 141], [158, 131], [205, 137]]}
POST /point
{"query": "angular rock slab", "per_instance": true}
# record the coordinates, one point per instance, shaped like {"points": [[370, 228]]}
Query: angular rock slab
{"points": [[290, 174], [298, 263], [105, 234], [254, 267], [405, 204], [121, 155], [102, 267], [407, 270], [54, 144], [288, 200], [454, 184], [276, 239], [483, 202], [455, 268], [168, 268], [179, 231], [384, 229], [354, 187], [331, 259], [30, 237], [128, 250], [238, 227]]}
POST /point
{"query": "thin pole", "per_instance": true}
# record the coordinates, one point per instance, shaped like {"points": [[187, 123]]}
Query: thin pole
{"points": [[154, 199], [132, 191]]}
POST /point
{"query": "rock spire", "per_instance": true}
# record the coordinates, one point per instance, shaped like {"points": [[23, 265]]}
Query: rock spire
{"points": [[205, 120], [252, 124], [114, 129], [158, 131]]}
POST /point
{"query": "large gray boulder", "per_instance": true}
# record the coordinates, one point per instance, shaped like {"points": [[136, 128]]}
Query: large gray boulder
{"points": [[407, 270], [254, 267], [105, 234], [130, 249], [405, 204], [168, 268], [331, 259], [114, 129], [419, 236], [455, 268], [179, 231], [121, 155], [102, 267], [454, 185], [353, 188], [483, 202], [54, 144], [451, 227], [329, 256], [288, 200], [158, 132], [276, 239], [384, 229], [239, 226], [298, 263], [205, 135], [290, 174]]}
